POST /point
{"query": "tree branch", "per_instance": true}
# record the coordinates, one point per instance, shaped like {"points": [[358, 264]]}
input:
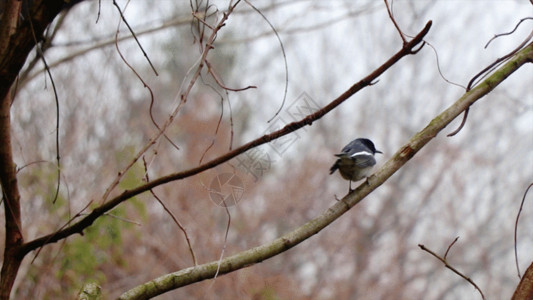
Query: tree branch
{"points": [[17, 37]]}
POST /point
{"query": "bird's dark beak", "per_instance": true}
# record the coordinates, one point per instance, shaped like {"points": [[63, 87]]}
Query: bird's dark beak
{"points": [[377, 151]]}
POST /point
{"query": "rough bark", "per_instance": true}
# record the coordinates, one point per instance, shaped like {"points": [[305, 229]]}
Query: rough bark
{"points": [[21, 27]]}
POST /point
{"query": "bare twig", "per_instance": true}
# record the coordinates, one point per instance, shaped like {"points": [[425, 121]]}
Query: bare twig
{"points": [[56, 98], [99, 10], [223, 249], [134, 36], [52, 236], [200, 18], [182, 228], [216, 129], [230, 125], [225, 238], [516, 230], [106, 43], [391, 16], [463, 122], [183, 99], [122, 219], [221, 84], [439, 69], [45, 45], [284, 58], [31, 163], [485, 72], [209, 45], [508, 33], [450, 247], [152, 99], [447, 265]]}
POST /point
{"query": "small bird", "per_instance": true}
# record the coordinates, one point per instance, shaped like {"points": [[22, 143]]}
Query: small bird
{"points": [[356, 160]]}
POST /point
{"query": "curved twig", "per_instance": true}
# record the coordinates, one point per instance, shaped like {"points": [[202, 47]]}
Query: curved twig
{"points": [[56, 98], [507, 33], [152, 100], [463, 122], [485, 72], [284, 58], [439, 69], [447, 265], [176, 221], [135, 37]]}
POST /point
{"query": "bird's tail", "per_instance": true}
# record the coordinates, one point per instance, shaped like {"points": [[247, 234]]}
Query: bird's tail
{"points": [[333, 168]]}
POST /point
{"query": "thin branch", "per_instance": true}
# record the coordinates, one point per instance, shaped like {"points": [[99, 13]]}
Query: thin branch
{"points": [[106, 43], [31, 163], [221, 84], [463, 122], [225, 239], [45, 45], [485, 72], [99, 10], [152, 98], [183, 99], [122, 219], [216, 129], [447, 265], [391, 16], [439, 69], [230, 125], [56, 98], [200, 18], [516, 230], [507, 33], [284, 58], [498, 62], [450, 247], [134, 36], [182, 228], [223, 247], [208, 46], [50, 237]]}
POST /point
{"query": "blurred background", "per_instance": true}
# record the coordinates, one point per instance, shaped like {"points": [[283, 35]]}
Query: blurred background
{"points": [[467, 186]]}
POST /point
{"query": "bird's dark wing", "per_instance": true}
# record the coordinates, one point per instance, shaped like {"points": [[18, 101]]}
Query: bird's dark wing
{"points": [[355, 147], [363, 159], [352, 146]]}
